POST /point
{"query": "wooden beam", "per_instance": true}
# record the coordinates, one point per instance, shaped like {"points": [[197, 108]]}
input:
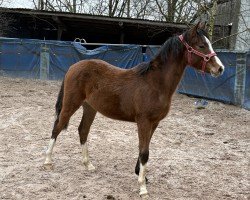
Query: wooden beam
{"points": [[96, 17]]}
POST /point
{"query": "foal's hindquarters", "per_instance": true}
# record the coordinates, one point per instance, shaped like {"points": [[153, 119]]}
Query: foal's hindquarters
{"points": [[93, 88], [83, 129], [72, 96]]}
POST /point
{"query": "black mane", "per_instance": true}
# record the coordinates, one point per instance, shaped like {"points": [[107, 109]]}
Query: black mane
{"points": [[171, 48], [143, 68]]}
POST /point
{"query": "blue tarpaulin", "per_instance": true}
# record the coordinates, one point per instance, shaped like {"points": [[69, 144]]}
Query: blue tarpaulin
{"points": [[204, 85], [19, 58], [246, 99], [51, 59], [62, 57]]}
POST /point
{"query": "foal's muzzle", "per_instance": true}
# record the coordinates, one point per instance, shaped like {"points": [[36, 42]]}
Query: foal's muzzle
{"points": [[215, 67]]}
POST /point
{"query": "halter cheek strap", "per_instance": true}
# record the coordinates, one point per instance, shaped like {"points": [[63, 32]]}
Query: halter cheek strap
{"points": [[190, 50]]}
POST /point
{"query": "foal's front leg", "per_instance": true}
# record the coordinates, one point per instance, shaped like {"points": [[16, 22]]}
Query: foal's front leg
{"points": [[84, 128], [137, 167], [144, 133]]}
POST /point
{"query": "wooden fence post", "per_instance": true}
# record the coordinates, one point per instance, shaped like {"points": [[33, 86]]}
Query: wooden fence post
{"points": [[240, 78], [44, 62]]}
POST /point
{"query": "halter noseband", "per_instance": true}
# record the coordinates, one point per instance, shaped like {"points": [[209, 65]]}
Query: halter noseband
{"points": [[190, 50]]}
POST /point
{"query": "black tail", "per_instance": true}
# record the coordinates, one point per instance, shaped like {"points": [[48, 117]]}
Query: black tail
{"points": [[59, 103]]}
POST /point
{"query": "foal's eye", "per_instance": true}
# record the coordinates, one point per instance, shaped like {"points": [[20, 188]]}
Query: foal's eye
{"points": [[202, 46]]}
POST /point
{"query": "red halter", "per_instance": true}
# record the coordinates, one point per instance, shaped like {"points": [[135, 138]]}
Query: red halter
{"points": [[190, 50]]}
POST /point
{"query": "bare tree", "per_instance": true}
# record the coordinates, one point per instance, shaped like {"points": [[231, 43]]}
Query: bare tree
{"points": [[212, 13], [4, 1], [171, 10], [59, 5]]}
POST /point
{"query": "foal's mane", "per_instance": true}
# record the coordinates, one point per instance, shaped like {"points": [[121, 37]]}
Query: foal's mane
{"points": [[171, 48]]}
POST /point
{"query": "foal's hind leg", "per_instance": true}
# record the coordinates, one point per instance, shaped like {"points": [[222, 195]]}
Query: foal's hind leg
{"points": [[70, 104], [84, 127]]}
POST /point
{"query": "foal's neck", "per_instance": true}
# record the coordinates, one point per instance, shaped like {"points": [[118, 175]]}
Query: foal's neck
{"points": [[170, 72]]}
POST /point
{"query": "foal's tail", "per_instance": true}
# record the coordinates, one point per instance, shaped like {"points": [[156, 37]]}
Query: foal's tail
{"points": [[59, 103]]}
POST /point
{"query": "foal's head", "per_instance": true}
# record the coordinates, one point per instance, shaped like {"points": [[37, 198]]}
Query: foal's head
{"points": [[201, 54]]}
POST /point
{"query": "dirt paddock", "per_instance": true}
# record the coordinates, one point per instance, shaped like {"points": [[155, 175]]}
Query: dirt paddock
{"points": [[194, 154]]}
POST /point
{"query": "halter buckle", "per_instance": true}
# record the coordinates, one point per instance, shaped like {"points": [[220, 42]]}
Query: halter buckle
{"points": [[190, 49], [207, 58]]}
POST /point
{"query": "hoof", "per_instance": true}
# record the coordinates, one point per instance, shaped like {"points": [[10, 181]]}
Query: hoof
{"points": [[89, 167], [144, 196], [48, 166], [144, 193]]}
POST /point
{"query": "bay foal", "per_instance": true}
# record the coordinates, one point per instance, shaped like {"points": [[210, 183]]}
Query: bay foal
{"points": [[141, 94]]}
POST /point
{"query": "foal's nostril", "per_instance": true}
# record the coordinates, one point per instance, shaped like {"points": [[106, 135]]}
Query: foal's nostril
{"points": [[220, 70]]}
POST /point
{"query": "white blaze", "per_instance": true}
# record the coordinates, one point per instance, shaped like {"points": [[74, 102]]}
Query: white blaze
{"points": [[212, 50]]}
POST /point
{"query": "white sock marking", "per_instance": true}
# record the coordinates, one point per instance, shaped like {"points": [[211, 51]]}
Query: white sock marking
{"points": [[142, 179], [85, 155], [49, 151]]}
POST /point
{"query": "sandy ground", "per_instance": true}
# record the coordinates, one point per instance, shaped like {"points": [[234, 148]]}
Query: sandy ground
{"points": [[194, 154]]}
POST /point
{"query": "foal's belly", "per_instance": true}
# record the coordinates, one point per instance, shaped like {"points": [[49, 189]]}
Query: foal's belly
{"points": [[112, 107], [117, 116]]}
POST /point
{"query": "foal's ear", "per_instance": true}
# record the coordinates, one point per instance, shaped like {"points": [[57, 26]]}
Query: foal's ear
{"points": [[193, 30], [202, 25], [199, 25]]}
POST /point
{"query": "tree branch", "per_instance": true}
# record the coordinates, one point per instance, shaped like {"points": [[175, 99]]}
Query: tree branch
{"points": [[231, 35]]}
